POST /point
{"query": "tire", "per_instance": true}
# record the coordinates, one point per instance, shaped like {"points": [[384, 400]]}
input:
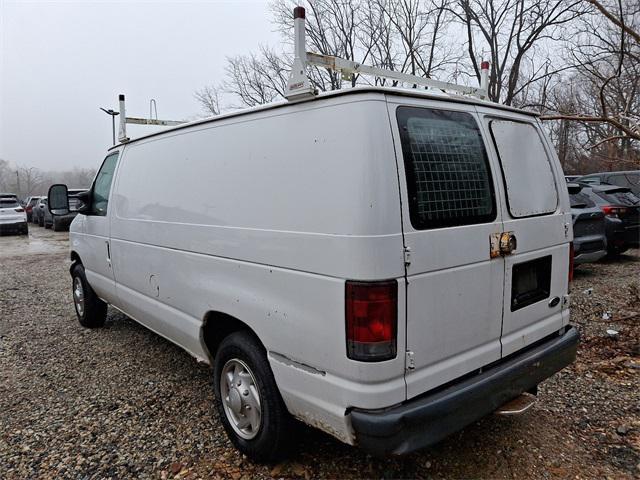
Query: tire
{"points": [[271, 439], [91, 311], [57, 227], [25, 229], [41, 221]]}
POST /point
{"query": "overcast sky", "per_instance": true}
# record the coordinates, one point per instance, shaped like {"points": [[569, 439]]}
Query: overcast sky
{"points": [[61, 60]]}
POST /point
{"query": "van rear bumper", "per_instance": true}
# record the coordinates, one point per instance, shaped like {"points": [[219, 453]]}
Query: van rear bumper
{"points": [[427, 419]]}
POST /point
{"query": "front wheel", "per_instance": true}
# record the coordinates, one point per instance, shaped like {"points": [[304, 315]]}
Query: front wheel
{"points": [[248, 401], [91, 311]]}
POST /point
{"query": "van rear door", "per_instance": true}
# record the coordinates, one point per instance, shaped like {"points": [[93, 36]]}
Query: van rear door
{"points": [[451, 208], [538, 221]]}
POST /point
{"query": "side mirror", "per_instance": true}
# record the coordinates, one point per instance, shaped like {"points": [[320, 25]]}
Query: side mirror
{"points": [[58, 199], [84, 202]]}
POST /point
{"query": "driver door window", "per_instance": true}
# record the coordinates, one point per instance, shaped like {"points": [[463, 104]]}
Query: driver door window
{"points": [[102, 185]]}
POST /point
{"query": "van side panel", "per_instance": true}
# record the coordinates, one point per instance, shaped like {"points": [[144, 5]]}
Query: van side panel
{"points": [[321, 177], [263, 218]]}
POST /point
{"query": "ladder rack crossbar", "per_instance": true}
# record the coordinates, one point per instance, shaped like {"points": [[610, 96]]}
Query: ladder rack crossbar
{"points": [[122, 131], [300, 88], [350, 67], [152, 121]]}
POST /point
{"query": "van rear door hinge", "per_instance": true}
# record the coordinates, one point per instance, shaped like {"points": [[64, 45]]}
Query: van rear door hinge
{"points": [[410, 361], [407, 256]]}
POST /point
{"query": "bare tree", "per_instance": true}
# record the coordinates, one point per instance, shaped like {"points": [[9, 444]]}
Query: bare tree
{"points": [[209, 99], [7, 176], [256, 79], [30, 180], [510, 33], [606, 57]]}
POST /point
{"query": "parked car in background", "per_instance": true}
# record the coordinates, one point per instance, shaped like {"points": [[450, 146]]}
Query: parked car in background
{"points": [[13, 218], [38, 211], [629, 179], [589, 235], [622, 215], [28, 207], [47, 221]]}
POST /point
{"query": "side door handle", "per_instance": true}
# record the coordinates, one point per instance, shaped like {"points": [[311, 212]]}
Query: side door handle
{"points": [[108, 253]]}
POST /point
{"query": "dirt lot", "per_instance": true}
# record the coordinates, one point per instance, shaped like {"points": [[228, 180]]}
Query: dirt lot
{"points": [[122, 402]]}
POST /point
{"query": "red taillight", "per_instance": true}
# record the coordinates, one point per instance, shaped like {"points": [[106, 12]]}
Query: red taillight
{"points": [[611, 211], [372, 320], [571, 262], [19, 209]]}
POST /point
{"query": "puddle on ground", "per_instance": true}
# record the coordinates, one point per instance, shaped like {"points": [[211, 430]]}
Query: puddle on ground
{"points": [[40, 240]]}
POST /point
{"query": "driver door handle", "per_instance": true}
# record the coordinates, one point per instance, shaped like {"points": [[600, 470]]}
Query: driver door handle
{"points": [[108, 253]]}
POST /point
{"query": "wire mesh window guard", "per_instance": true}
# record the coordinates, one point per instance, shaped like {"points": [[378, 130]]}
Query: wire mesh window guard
{"points": [[447, 169]]}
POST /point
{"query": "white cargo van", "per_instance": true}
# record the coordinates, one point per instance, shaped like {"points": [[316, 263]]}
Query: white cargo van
{"points": [[385, 265]]}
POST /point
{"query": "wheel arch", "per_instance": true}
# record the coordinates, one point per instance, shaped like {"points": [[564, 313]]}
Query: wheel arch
{"points": [[75, 260], [216, 326]]}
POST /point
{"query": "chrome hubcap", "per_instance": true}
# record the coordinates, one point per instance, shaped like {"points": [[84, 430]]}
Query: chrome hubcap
{"points": [[241, 398], [78, 296]]}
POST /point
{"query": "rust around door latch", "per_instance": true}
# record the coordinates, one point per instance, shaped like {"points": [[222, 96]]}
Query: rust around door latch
{"points": [[494, 245], [508, 243], [503, 243]]}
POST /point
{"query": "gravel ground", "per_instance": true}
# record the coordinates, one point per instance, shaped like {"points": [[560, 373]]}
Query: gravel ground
{"points": [[122, 402]]}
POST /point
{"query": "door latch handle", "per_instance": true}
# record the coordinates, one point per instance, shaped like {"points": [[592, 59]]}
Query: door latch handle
{"points": [[501, 244], [508, 243]]}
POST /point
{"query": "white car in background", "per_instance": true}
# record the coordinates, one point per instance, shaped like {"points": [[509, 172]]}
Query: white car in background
{"points": [[13, 218]]}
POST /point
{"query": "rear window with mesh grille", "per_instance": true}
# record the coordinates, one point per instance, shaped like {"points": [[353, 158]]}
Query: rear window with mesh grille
{"points": [[447, 169]]}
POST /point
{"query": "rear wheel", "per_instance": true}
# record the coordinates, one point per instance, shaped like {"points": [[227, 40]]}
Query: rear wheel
{"points": [[57, 225], [25, 229], [91, 311], [248, 401]]}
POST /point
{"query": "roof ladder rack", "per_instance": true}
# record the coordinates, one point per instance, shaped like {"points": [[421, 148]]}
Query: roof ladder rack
{"points": [[300, 88], [122, 131]]}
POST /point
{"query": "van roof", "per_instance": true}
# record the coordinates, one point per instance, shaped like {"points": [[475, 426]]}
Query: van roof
{"points": [[405, 92]]}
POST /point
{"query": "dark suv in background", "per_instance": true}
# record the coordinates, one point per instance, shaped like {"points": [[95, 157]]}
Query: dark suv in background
{"points": [[589, 234], [629, 179], [621, 209]]}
